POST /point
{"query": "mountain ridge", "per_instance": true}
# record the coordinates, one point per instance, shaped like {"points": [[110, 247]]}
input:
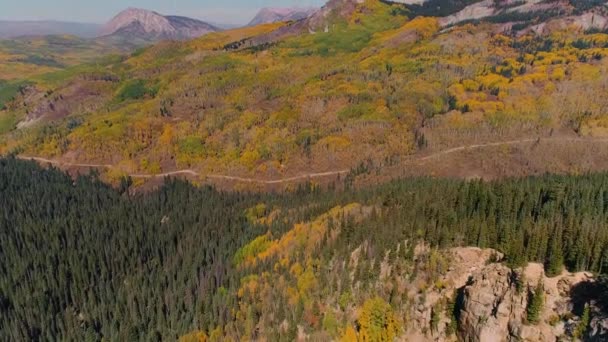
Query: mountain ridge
{"points": [[275, 14]]}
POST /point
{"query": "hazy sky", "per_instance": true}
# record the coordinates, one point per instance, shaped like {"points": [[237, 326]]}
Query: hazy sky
{"points": [[99, 11]]}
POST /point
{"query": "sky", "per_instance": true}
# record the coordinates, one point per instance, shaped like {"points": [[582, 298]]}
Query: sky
{"points": [[100, 11]]}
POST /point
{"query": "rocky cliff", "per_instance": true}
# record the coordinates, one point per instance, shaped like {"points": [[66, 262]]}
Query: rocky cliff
{"points": [[480, 299], [496, 305]]}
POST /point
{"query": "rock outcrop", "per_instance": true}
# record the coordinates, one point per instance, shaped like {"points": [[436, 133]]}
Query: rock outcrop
{"points": [[463, 262], [495, 304], [322, 19], [490, 301], [489, 304]]}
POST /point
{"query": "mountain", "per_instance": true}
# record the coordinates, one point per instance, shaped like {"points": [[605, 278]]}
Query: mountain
{"points": [[13, 29], [149, 25], [273, 15], [418, 171]]}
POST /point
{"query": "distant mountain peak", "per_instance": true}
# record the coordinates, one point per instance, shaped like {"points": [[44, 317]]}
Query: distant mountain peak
{"points": [[277, 14], [150, 25]]}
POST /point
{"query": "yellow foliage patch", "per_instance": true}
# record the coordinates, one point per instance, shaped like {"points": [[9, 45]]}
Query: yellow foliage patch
{"points": [[217, 40], [303, 237], [377, 321], [335, 143], [197, 336], [595, 127]]}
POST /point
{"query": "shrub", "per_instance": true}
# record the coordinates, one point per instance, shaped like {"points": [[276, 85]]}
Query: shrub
{"points": [[192, 146], [7, 122], [582, 326], [330, 323], [251, 250], [377, 321], [355, 111], [134, 90], [8, 91]]}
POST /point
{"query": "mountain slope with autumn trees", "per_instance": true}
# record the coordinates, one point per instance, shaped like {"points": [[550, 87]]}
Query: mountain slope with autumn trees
{"points": [[366, 92], [357, 82]]}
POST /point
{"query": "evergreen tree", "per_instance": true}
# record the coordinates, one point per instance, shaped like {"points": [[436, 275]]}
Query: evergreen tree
{"points": [[536, 302], [554, 260]]}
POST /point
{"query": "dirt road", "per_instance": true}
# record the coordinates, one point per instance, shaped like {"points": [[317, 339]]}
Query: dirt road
{"points": [[418, 159]]}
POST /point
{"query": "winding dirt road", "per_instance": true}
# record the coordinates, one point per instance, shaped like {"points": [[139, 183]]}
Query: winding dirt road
{"points": [[188, 172], [420, 159], [507, 143]]}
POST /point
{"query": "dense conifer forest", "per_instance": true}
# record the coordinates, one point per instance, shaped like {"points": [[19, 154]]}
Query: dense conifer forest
{"points": [[82, 261]]}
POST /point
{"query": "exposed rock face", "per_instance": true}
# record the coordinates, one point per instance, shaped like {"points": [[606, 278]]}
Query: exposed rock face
{"points": [[565, 15], [463, 263], [190, 28], [489, 305], [476, 11], [143, 24], [273, 15], [493, 309], [585, 21], [333, 8], [490, 301]]}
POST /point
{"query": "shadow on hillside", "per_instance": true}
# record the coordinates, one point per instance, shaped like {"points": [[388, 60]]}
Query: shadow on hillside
{"points": [[594, 293]]}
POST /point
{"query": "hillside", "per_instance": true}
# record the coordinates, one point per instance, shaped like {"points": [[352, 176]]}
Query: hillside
{"points": [[373, 171], [369, 86], [382, 263], [25, 59]]}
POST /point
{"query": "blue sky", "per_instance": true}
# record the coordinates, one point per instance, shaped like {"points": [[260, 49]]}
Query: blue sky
{"points": [[99, 11]]}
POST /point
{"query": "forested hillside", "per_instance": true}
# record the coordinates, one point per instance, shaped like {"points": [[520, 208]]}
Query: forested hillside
{"points": [[82, 261]]}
